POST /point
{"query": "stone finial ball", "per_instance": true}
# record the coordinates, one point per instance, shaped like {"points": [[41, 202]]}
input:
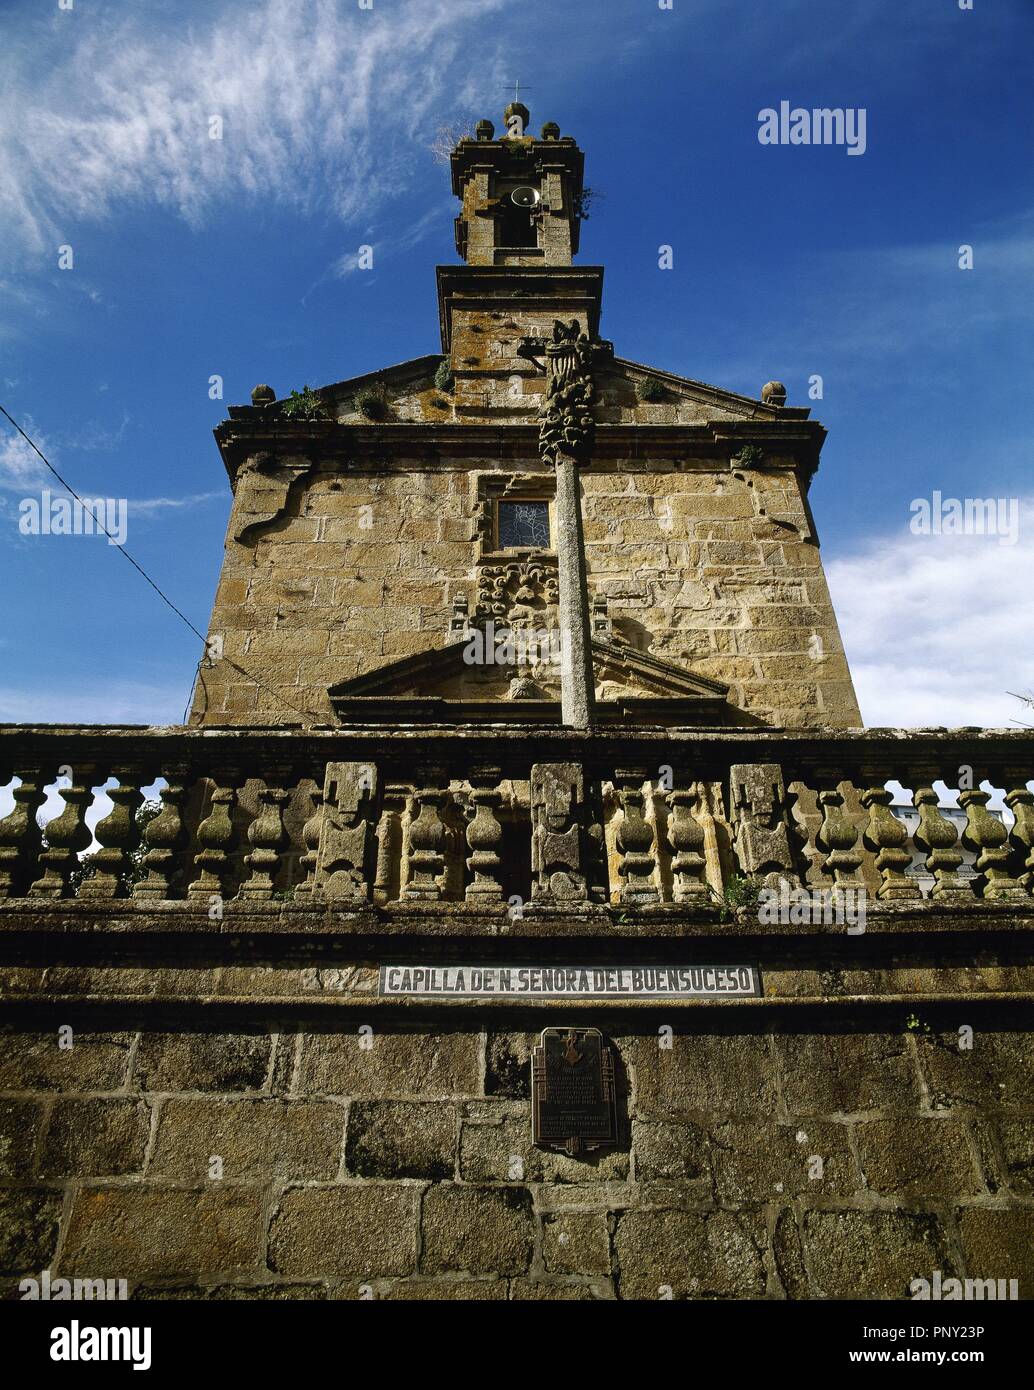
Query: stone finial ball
{"points": [[773, 393], [263, 395], [551, 131], [484, 130]]}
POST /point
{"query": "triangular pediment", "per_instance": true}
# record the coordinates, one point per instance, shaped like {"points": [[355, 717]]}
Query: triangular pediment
{"points": [[465, 682]]}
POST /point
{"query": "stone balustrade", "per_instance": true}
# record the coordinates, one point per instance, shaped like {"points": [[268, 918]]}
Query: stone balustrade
{"points": [[551, 819]]}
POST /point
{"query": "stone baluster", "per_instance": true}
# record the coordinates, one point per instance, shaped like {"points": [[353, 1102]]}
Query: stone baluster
{"points": [[310, 847], [164, 837], [635, 839], [21, 837], [267, 837], [118, 835], [66, 835], [937, 836], [484, 835], [426, 840], [838, 835], [989, 838], [888, 837], [688, 864], [216, 836], [389, 844], [1021, 803]]}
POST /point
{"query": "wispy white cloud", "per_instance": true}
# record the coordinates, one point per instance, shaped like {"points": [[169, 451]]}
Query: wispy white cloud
{"points": [[148, 506], [395, 244], [938, 628], [118, 701], [323, 105]]}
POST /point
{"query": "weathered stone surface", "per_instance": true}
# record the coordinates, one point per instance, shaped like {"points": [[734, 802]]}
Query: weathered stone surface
{"points": [[28, 1229], [1017, 1141], [36, 1062], [508, 1065], [694, 1254], [703, 1074], [368, 1230], [559, 1290], [201, 1062], [437, 1290], [671, 1151], [999, 1244], [20, 1123], [495, 1146], [477, 1230], [102, 1138], [401, 1139], [398, 1063], [252, 1138], [913, 1157], [162, 1232], [234, 1293], [997, 1071], [845, 1073], [576, 1243], [873, 1254], [760, 1163]]}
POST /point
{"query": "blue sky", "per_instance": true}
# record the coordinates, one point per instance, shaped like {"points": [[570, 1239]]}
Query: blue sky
{"points": [[195, 257]]}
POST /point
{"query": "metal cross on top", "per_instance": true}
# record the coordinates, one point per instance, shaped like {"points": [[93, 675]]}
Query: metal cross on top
{"points": [[517, 90]]}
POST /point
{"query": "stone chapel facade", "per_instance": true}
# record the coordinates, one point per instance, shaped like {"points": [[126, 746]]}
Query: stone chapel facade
{"points": [[525, 708]]}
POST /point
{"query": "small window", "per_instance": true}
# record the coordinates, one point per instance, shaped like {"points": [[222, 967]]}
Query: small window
{"points": [[523, 525]]}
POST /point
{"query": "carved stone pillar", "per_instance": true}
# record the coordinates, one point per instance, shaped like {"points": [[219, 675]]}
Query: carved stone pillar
{"points": [[267, 838], [389, 844], [118, 834], [688, 865], [557, 810], [349, 798], [66, 835], [989, 838], [484, 835], [888, 836], [938, 837], [759, 813], [426, 839], [216, 837], [838, 835], [163, 838], [310, 846], [635, 839], [20, 837], [1021, 803]]}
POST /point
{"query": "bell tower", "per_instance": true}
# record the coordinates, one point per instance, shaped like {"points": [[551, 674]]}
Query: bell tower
{"points": [[521, 195]]}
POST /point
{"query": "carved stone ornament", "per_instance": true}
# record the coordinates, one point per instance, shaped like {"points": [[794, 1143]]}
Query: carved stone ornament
{"points": [[557, 801], [566, 425], [518, 595], [758, 799], [348, 796]]}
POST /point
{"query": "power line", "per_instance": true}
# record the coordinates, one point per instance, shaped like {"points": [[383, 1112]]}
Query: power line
{"points": [[306, 714]]}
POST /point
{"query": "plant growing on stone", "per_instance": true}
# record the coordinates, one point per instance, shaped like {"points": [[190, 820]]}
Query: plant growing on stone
{"points": [[739, 897], [649, 389], [305, 404], [443, 377], [750, 456], [584, 200], [371, 401]]}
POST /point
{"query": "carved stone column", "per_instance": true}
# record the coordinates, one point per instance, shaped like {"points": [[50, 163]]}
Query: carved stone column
{"points": [[688, 865], [635, 839], [389, 844], [66, 836], [20, 837], [1021, 803], [888, 836], [267, 838], [839, 835], [118, 834], [426, 839], [163, 838], [484, 835], [311, 843], [216, 837], [989, 838], [938, 837]]}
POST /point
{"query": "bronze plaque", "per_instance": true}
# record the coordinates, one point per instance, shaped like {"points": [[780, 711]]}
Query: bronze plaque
{"points": [[573, 1101]]}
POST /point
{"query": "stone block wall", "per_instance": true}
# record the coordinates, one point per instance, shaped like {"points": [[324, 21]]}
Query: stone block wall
{"points": [[712, 569], [760, 1164]]}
